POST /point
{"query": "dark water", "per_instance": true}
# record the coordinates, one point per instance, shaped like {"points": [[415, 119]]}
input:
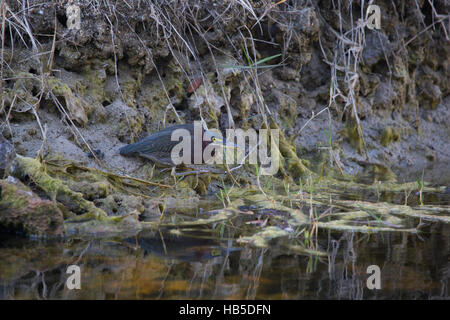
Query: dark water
{"points": [[158, 265]]}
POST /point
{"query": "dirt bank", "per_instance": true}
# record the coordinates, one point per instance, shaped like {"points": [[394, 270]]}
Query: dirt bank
{"points": [[372, 104]]}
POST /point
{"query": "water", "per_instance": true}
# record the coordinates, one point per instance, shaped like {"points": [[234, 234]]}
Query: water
{"points": [[160, 265]]}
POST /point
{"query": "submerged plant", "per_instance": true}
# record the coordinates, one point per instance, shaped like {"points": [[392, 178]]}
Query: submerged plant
{"points": [[421, 183]]}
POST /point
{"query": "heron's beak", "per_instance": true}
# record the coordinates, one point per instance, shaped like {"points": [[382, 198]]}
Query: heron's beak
{"points": [[225, 144], [230, 144]]}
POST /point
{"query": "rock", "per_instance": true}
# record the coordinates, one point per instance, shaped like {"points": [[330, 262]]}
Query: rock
{"points": [[307, 21], [389, 134], [75, 105], [368, 83], [7, 157], [364, 108], [429, 94], [23, 211], [92, 189], [384, 95], [120, 205], [207, 98], [287, 73], [376, 48], [126, 121]]}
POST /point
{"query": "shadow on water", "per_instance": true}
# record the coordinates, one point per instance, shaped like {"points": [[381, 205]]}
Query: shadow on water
{"points": [[156, 265], [189, 249]]}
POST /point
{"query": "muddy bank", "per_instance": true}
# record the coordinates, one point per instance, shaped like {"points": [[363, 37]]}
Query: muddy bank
{"points": [[353, 104]]}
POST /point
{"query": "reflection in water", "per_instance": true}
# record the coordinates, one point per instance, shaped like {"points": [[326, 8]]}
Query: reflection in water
{"points": [[164, 266], [180, 248]]}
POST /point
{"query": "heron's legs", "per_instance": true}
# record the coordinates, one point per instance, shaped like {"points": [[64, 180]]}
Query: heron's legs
{"points": [[174, 174], [188, 173], [142, 166], [138, 168], [185, 173]]}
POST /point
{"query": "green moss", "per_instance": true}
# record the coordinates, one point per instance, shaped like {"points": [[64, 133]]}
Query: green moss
{"points": [[288, 112], [294, 165], [306, 162], [24, 211], [93, 190], [262, 238], [153, 97], [75, 105], [193, 185], [58, 87], [353, 135], [389, 135], [129, 88], [21, 92], [55, 188], [374, 172], [95, 85], [11, 198], [131, 127]]}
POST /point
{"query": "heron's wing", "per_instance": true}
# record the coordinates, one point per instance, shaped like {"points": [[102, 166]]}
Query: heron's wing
{"points": [[156, 147], [157, 142]]}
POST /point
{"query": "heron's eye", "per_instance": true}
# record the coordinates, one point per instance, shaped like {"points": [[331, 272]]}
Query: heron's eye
{"points": [[213, 139]]}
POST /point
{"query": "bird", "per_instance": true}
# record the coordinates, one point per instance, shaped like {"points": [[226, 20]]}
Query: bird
{"points": [[158, 146]]}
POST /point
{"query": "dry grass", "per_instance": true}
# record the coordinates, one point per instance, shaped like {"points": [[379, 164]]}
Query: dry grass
{"points": [[344, 64]]}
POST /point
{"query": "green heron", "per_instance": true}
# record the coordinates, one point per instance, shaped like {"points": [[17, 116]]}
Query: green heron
{"points": [[158, 146]]}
